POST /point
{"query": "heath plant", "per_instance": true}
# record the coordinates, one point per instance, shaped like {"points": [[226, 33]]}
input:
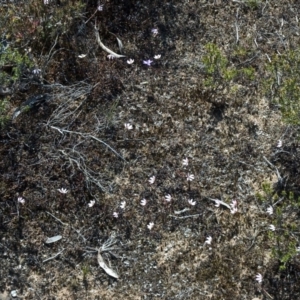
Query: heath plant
{"points": [[34, 23], [12, 65], [282, 223], [220, 73], [252, 4], [4, 109], [282, 85]]}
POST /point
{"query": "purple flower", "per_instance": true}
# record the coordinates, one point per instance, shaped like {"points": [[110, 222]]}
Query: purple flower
{"points": [[154, 31], [147, 62]]}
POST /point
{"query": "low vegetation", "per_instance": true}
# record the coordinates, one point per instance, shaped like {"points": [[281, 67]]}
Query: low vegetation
{"points": [[149, 149]]}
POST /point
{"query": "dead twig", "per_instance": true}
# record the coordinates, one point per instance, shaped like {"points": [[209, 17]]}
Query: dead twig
{"points": [[104, 47], [52, 257], [90, 136]]}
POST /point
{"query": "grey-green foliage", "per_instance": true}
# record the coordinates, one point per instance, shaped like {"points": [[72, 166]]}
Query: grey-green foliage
{"points": [[283, 85]]}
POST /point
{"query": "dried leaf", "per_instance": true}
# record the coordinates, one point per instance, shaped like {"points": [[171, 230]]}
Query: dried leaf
{"points": [[104, 266], [53, 239], [120, 44]]}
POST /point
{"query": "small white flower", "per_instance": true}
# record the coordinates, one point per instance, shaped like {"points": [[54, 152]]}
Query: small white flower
{"points": [[150, 225], [100, 8], [168, 198], [270, 210], [233, 206], [123, 204], [217, 203], [190, 177], [36, 71], [130, 61], [233, 203], [21, 200], [82, 55], [279, 144], [259, 278], [158, 56], [208, 240], [233, 210], [128, 126], [143, 202], [272, 227], [192, 202], [154, 31], [152, 180], [185, 162], [110, 56], [63, 191], [115, 214], [91, 203], [298, 249]]}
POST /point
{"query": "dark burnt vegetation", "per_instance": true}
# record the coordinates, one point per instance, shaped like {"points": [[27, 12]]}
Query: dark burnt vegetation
{"points": [[203, 100]]}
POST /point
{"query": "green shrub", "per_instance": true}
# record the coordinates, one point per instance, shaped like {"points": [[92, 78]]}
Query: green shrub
{"points": [[12, 64], [4, 108], [285, 238], [283, 86], [220, 73]]}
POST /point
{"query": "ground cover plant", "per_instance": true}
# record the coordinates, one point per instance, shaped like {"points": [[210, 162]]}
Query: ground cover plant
{"points": [[149, 150]]}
